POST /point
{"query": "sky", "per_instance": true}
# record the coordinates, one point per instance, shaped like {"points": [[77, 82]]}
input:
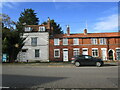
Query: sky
{"points": [[95, 16]]}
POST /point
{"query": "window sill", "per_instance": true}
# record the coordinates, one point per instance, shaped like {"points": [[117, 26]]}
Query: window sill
{"points": [[75, 44], [56, 57]]}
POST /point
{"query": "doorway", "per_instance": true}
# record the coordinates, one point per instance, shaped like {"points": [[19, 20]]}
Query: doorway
{"points": [[104, 53], [65, 55], [110, 53]]}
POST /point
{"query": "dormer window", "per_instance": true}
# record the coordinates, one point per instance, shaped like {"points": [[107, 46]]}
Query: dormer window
{"points": [[28, 28], [42, 29]]}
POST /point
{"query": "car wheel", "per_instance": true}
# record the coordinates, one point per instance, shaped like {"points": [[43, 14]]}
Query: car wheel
{"points": [[77, 64], [98, 64]]}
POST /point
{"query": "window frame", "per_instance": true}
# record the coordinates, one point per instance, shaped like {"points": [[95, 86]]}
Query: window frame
{"points": [[28, 28], [42, 28], [58, 41], [64, 41], [77, 40], [37, 53], [94, 41], [76, 50], [103, 41], [33, 41], [95, 52], [58, 53]]}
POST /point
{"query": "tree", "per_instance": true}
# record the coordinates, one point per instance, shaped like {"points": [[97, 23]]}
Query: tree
{"points": [[12, 42], [7, 22], [56, 27], [28, 17]]}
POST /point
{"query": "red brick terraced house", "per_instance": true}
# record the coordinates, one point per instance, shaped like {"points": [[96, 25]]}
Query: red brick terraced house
{"points": [[62, 47]]}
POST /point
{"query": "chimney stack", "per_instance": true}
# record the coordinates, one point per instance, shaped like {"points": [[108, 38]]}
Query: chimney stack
{"points": [[48, 23], [85, 31], [68, 30]]}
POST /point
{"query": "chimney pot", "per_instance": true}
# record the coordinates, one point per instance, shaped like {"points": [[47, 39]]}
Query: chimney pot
{"points": [[85, 31], [68, 30]]}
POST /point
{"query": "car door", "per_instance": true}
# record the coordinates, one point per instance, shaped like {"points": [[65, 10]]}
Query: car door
{"points": [[81, 60], [88, 60]]}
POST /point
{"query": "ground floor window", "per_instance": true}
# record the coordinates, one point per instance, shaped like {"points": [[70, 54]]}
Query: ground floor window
{"points": [[37, 54], [94, 52], [85, 51], [75, 51], [118, 54], [56, 53]]}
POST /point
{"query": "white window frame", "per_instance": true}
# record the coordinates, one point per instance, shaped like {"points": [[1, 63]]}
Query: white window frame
{"points": [[65, 39], [117, 52], [77, 40], [58, 41], [97, 52], [76, 50], [36, 41], [28, 29], [94, 41], [42, 28], [58, 53], [39, 53], [102, 41]]}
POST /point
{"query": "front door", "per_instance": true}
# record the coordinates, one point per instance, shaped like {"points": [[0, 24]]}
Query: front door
{"points": [[104, 54], [65, 55], [24, 55], [111, 55]]}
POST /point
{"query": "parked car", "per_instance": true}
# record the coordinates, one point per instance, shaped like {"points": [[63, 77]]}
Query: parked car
{"points": [[86, 60]]}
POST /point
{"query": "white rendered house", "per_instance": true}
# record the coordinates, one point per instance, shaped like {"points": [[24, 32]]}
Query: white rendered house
{"points": [[36, 46]]}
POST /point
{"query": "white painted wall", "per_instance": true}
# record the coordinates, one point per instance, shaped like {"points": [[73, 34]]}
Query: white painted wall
{"points": [[42, 45]]}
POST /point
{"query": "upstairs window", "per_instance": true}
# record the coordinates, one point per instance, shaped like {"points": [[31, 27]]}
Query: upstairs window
{"points": [[42, 28], [94, 40], [65, 41], [34, 41], [28, 28], [56, 41], [102, 41], [76, 41]]}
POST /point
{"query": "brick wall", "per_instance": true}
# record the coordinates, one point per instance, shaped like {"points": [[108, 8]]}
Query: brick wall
{"points": [[111, 43]]}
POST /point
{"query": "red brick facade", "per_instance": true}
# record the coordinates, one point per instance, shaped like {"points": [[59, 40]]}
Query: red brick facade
{"points": [[87, 43], [111, 45]]}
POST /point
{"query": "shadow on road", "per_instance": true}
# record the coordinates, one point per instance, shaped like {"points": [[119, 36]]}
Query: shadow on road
{"points": [[20, 81]]}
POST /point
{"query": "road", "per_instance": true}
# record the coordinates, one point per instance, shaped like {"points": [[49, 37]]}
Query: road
{"points": [[35, 76]]}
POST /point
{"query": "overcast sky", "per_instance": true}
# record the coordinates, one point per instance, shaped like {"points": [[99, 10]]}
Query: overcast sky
{"points": [[96, 16]]}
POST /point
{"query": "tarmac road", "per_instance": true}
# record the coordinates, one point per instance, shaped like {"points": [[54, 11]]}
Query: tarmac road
{"points": [[52, 76]]}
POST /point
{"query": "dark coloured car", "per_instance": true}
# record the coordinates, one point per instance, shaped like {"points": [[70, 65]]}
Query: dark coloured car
{"points": [[86, 60]]}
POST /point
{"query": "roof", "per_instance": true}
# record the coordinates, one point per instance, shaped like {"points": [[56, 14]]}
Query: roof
{"points": [[82, 35]]}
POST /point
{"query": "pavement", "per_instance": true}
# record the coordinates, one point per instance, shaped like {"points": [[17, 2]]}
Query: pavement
{"points": [[58, 64]]}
